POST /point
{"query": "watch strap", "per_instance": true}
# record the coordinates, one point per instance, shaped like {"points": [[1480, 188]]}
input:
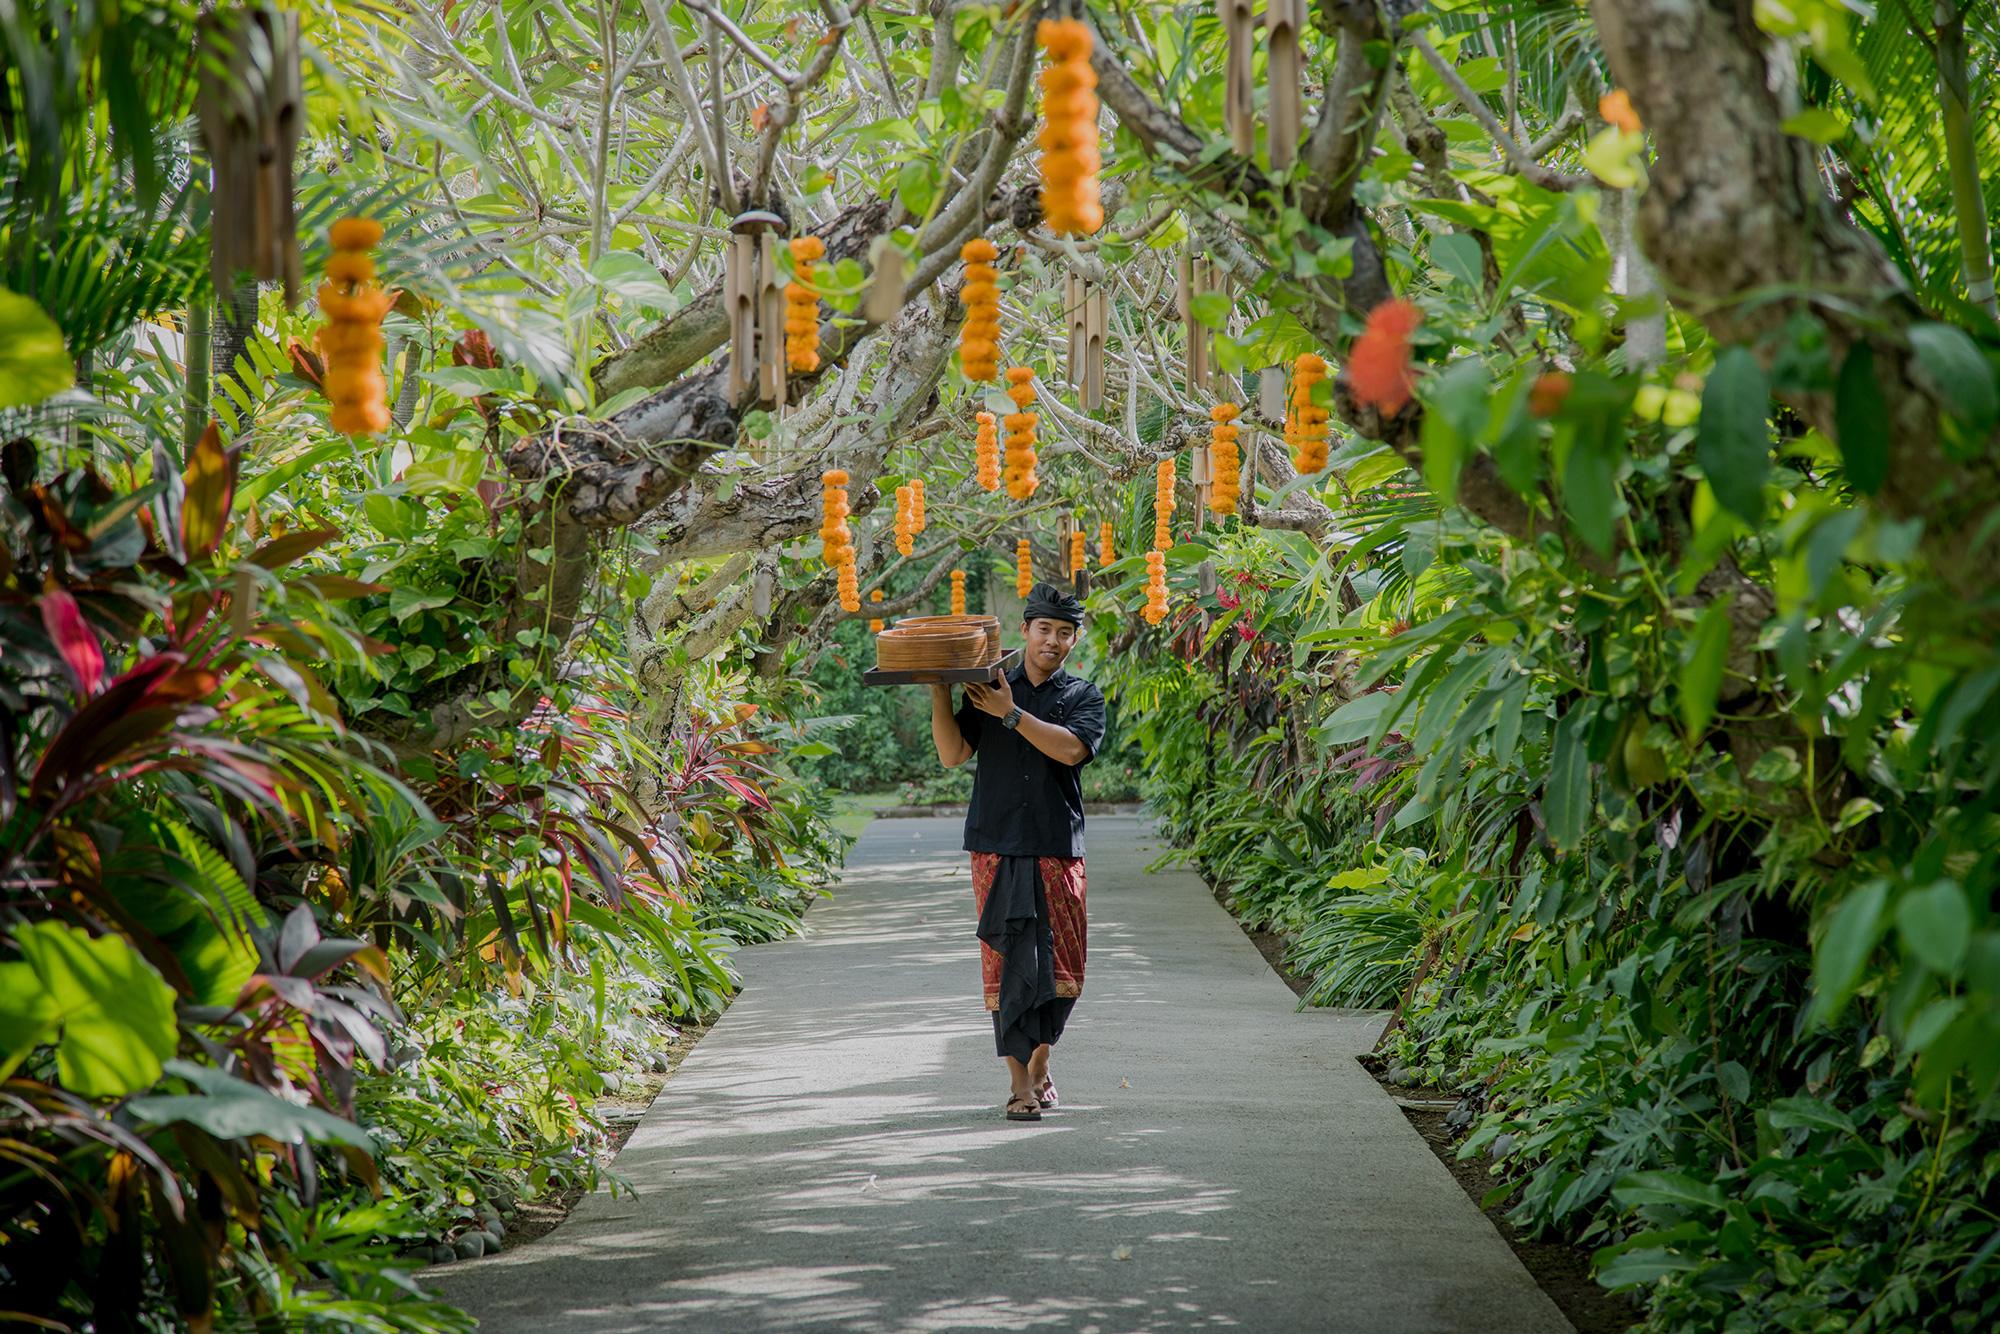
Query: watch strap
{"points": [[1012, 718]]}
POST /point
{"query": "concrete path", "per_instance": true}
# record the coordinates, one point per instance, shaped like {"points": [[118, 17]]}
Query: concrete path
{"points": [[833, 1157]]}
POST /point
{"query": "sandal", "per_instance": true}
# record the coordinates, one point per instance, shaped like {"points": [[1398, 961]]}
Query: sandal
{"points": [[1023, 1109], [1047, 1097]]}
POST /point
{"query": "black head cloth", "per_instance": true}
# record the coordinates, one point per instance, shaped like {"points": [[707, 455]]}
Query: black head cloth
{"points": [[1046, 601]]}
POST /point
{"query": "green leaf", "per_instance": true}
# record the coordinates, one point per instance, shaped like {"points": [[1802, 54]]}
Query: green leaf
{"points": [[1355, 720], [1733, 445], [1861, 420], [916, 186], [1458, 255], [1808, 1114], [34, 364], [1667, 1188], [1646, 1266], [1851, 932], [1822, 125], [27, 1016], [1590, 491], [1210, 309], [1954, 365], [407, 602], [230, 1108], [1704, 656], [1935, 925], [631, 277], [1566, 799], [115, 1011]]}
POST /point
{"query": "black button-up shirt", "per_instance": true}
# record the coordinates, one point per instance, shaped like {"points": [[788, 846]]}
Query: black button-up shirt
{"points": [[1025, 804]]}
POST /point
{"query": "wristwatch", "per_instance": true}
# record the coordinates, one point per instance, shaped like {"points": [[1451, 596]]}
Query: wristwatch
{"points": [[1013, 718]]}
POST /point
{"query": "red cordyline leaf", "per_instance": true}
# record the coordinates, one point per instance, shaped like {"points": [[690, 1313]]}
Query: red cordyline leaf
{"points": [[1378, 365], [210, 481], [74, 639]]}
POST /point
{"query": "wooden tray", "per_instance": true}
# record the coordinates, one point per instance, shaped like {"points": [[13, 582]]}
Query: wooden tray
{"points": [[942, 675]]}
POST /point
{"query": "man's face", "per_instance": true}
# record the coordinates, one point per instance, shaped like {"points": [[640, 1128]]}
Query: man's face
{"points": [[1048, 641]]}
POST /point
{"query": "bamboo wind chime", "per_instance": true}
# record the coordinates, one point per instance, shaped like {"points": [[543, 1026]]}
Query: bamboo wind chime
{"points": [[252, 108], [1197, 277], [1284, 21], [1089, 311], [756, 301]]}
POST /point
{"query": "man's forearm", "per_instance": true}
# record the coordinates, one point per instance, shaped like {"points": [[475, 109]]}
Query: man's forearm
{"points": [[952, 749], [1053, 740]]}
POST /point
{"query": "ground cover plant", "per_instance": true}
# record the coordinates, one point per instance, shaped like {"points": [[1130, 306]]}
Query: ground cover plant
{"points": [[1532, 465]]}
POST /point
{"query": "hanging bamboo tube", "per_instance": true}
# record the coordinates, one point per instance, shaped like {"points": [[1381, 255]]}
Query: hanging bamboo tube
{"points": [[770, 324], [1088, 311], [1193, 278], [1239, 114], [252, 107], [1284, 22]]}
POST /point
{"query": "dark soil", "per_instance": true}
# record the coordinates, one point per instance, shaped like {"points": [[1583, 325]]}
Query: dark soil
{"points": [[623, 1110], [1562, 1271]]}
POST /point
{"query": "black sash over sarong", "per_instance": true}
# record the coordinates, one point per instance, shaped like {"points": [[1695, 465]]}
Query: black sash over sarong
{"points": [[1015, 924]]}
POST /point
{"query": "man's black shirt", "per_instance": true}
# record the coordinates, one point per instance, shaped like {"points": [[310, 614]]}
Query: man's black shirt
{"points": [[1025, 804]]}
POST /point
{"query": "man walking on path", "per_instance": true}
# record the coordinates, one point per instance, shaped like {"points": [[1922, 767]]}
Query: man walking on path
{"points": [[1024, 830]]}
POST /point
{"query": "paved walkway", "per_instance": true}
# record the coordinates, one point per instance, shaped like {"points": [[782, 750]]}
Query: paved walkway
{"points": [[832, 1156]]}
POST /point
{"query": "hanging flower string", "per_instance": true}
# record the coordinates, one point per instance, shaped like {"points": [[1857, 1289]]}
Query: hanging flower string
{"points": [[802, 306], [989, 452], [1105, 555], [905, 519], [1156, 587], [351, 340], [917, 520], [1163, 505], [837, 539], [958, 592], [1305, 424], [1228, 460], [1077, 547], [1378, 365], [1020, 470], [979, 336], [1024, 567], [1068, 138], [875, 622]]}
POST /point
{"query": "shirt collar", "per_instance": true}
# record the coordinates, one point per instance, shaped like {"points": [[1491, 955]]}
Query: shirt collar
{"points": [[1020, 673]]}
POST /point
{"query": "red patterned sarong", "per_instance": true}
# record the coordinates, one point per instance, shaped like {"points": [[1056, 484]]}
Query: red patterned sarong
{"points": [[1062, 884]]}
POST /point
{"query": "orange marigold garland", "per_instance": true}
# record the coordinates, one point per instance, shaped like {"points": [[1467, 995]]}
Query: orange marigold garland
{"points": [[1305, 424], [917, 520], [1019, 473], [1070, 156], [1105, 555], [836, 539], [1228, 459], [351, 340], [1024, 567], [1163, 505], [989, 452], [1156, 587], [1378, 365], [802, 306], [875, 622], [958, 592], [1077, 546], [979, 336], [906, 519]]}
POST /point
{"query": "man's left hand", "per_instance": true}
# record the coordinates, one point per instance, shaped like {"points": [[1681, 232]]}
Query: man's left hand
{"points": [[990, 698]]}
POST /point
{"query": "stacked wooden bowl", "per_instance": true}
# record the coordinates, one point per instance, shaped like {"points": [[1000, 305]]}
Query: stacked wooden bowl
{"points": [[938, 643]]}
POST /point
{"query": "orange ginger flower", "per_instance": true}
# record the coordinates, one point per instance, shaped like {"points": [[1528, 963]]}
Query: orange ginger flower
{"points": [[989, 452], [1378, 365]]}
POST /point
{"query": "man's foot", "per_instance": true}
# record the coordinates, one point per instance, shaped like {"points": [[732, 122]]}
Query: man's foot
{"points": [[1046, 1094], [1024, 1107]]}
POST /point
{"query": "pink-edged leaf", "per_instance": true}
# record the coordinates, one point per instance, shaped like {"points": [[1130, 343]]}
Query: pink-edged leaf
{"points": [[210, 485], [74, 639]]}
